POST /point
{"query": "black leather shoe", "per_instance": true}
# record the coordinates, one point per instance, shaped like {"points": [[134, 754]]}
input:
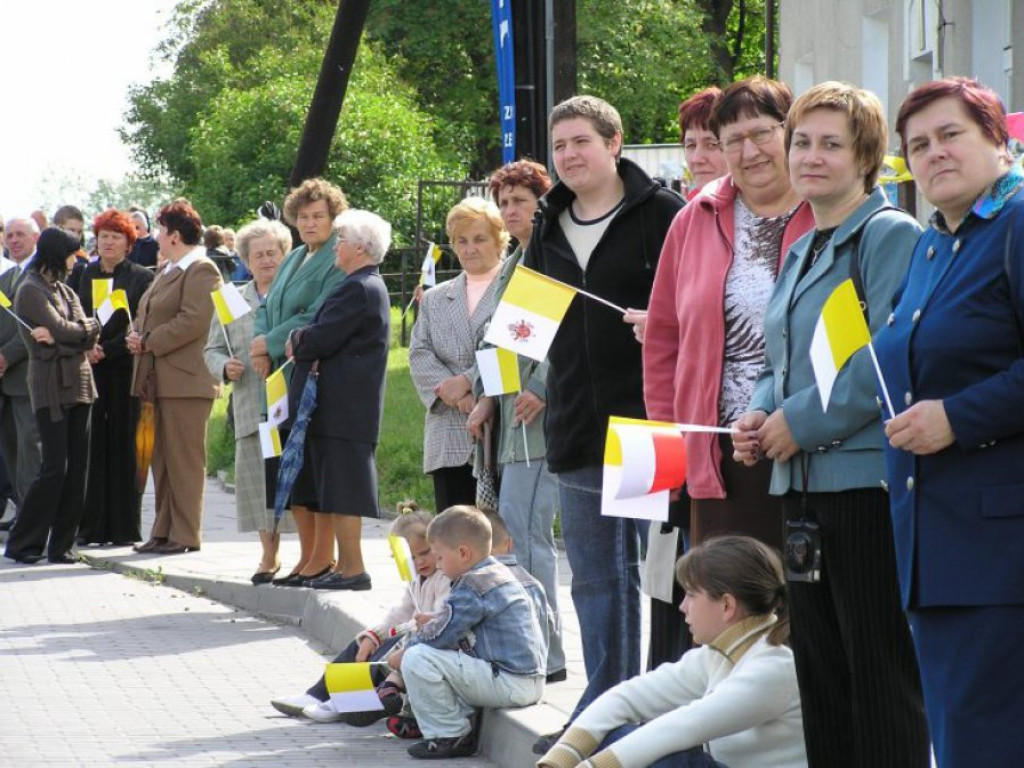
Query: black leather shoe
{"points": [[29, 558], [6, 525], [149, 546], [291, 580], [544, 744], [264, 577], [558, 676], [173, 548], [358, 583], [63, 558]]}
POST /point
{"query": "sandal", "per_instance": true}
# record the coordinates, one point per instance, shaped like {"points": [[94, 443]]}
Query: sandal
{"points": [[404, 727]]}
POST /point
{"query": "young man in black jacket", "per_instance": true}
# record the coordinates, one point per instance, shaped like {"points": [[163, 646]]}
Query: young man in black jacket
{"points": [[600, 228]]}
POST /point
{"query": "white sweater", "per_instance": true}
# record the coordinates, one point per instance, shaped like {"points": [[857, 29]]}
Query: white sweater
{"points": [[427, 595], [737, 695]]}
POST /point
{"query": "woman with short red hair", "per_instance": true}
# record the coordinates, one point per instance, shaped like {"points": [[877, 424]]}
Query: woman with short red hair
{"points": [[951, 353], [705, 160], [112, 502]]}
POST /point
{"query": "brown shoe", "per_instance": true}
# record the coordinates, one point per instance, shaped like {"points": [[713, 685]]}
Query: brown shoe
{"points": [[150, 545]]}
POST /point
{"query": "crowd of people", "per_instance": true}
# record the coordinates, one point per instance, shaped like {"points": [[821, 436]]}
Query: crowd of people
{"points": [[901, 485]]}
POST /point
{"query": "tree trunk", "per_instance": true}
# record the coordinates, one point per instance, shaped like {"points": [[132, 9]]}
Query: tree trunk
{"points": [[716, 16]]}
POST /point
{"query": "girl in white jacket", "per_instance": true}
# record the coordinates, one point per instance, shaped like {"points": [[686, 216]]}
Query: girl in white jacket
{"points": [[732, 703]]}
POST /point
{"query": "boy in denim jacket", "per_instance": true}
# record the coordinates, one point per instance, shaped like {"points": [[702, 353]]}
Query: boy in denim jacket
{"points": [[484, 649]]}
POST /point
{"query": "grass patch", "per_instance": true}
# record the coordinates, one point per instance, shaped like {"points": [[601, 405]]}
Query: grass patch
{"points": [[220, 441], [400, 452]]}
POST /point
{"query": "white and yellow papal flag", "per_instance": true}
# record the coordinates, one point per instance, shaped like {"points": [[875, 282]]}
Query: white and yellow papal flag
{"points": [[351, 687], [277, 398], [841, 331], [428, 270], [499, 371], [230, 303], [529, 313], [643, 462], [115, 300], [101, 288], [270, 440]]}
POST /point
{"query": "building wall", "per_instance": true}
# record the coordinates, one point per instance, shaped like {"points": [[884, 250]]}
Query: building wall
{"points": [[892, 46]]}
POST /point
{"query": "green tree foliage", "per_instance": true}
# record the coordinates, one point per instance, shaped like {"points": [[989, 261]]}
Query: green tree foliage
{"points": [[225, 125]]}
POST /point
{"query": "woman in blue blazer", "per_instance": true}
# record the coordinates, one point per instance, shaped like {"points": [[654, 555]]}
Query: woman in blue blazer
{"points": [[854, 656], [951, 355]]}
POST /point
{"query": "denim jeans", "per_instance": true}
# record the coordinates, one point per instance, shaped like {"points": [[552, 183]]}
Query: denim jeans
{"points": [[604, 556], [690, 758], [446, 686], [528, 503]]}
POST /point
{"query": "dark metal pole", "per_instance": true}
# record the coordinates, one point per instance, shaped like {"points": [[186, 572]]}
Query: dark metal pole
{"points": [[769, 39], [325, 108], [565, 49], [531, 83]]}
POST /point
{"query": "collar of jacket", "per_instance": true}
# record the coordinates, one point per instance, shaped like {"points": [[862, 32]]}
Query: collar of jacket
{"points": [[638, 186], [851, 227], [738, 639]]}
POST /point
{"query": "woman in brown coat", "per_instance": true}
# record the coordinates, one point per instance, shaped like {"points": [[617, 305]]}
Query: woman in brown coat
{"points": [[62, 391], [169, 337]]}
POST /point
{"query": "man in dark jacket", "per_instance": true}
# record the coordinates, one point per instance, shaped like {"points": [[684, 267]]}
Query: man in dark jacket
{"points": [[600, 228]]}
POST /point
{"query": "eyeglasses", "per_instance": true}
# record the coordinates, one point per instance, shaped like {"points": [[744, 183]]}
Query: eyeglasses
{"points": [[708, 145], [760, 136]]}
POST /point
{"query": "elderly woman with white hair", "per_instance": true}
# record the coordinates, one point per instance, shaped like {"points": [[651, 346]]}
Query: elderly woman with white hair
{"points": [[346, 347], [262, 246]]}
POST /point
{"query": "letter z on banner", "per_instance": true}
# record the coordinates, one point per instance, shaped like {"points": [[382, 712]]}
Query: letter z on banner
{"points": [[501, 19]]}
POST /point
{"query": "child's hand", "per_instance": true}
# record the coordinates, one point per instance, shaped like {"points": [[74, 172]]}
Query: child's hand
{"points": [[366, 648], [395, 659]]}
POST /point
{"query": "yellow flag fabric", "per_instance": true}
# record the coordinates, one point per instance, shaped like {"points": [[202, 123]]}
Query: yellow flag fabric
{"points": [[101, 288], [529, 313], [230, 304], [894, 170], [402, 553], [270, 440], [499, 371], [277, 398], [351, 688], [841, 330], [119, 299], [4, 301]]}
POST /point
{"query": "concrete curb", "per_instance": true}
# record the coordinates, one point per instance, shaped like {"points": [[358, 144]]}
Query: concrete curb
{"points": [[507, 735]]}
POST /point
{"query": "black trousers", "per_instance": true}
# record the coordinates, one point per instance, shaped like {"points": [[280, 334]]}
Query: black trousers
{"points": [[453, 485], [52, 507], [855, 663]]}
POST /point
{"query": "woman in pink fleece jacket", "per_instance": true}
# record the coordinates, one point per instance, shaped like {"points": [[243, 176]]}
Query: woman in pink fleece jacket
{"points": [[704, 341]]}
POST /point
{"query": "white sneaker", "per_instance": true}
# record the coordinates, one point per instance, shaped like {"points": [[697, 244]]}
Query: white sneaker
{"points": [[293, 705], [322, 712]]}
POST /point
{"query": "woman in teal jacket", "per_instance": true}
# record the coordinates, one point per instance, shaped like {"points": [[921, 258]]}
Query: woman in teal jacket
{"points": [[307, 276], [854, 657]]}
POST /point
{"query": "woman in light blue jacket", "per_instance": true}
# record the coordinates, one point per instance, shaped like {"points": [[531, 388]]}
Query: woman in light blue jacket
{"points": [[855, 661]]}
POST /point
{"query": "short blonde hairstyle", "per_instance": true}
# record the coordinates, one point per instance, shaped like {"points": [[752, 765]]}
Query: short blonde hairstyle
{"points": [[312, 191], [864, 116], [473, 209], [461, 524]]}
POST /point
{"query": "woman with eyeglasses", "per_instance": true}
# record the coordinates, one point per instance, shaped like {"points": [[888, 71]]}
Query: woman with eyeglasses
{"points": [[704, 341]]}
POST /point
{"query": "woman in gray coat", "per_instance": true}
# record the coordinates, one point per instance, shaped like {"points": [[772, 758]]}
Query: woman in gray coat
{"points": [[62, 391], [855, 662], [262, 246]]}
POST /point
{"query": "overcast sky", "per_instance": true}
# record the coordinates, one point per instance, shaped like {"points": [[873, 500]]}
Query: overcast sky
{"points": [[66, 66]]}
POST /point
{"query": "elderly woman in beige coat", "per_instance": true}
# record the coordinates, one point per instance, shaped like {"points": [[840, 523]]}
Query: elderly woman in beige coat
{"points": [[262, 246]]}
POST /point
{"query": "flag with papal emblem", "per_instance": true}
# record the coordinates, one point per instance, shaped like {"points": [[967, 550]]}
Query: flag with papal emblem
{"points": [[529, 313]]}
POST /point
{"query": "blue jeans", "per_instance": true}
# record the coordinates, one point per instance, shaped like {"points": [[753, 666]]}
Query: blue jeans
{"points": [[528, 503], [690, 758], [604, 556]]}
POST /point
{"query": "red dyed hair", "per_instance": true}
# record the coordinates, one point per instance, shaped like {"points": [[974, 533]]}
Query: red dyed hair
{"points": [[114, 220], [979, 101], [179, 216], [521, 173], [696, 111]]}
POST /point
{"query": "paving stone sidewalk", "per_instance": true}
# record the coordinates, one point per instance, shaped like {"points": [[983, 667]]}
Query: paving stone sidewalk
{"points": [[220, 572]]}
